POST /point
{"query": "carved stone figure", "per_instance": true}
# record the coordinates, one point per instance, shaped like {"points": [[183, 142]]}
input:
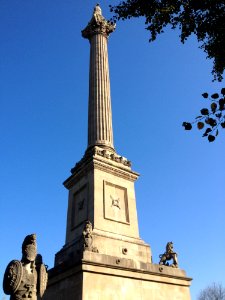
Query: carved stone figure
{"points": [[26, 279], [168, 255], [88, 238]]}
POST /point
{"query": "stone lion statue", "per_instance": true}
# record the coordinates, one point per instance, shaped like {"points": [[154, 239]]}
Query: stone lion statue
{"points": [[168, 255]]}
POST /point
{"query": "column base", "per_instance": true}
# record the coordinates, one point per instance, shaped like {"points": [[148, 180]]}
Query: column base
{"points": [[104, 277]]}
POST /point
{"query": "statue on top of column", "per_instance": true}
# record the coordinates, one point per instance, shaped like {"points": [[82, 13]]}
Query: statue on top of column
{"points": [[97, 12], [98, 25], [26, 279]]}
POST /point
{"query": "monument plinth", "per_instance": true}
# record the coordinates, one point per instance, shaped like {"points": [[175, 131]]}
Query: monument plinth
{"points": [[104, 256]]}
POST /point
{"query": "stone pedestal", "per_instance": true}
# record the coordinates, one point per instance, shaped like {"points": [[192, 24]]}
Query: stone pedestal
{"points": [[103, 277], [118, 264], [101, 190]]}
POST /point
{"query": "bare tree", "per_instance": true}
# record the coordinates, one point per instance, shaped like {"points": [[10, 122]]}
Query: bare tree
{"points": [[212, 292]]}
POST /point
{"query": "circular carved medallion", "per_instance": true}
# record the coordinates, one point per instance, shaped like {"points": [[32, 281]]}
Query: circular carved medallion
{"points": [[12, 277], [43, 280]]}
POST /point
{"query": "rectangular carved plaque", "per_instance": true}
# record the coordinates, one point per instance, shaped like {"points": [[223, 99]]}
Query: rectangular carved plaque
{"points": [[115, 203]]}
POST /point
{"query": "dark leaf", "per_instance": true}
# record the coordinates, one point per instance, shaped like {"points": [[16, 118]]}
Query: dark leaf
{"points": [[205, 95], [222, 104], [208, 130], [222, 101], [223, 124], [215, 96], [211, 138], [212, 122], [187, 126], [223, 91], [199, 117], [204, 111], [221, 107], [200, 125], [219, 115], [217, 132], [213, 107]]}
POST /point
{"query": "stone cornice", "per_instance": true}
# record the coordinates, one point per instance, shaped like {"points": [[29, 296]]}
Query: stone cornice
{"points": [[161, 275], [108, 156], [101, 159], [126, 268], [98, 25], [114, 170]]}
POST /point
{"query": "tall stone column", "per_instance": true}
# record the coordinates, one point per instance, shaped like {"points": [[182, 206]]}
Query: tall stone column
{"points": [[104, 256], [100, 131]]}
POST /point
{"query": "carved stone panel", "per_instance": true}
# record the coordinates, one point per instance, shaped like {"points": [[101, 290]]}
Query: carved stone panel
{"points": [[79, 207], [115, 203]]}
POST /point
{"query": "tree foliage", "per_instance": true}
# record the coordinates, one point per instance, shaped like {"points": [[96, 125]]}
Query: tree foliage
{"points": [[212, 292], [205, 19], [211, 119]]}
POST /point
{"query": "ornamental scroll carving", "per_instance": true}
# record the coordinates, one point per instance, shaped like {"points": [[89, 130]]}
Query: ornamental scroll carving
{"points": [[98, 25], [26, 279]]}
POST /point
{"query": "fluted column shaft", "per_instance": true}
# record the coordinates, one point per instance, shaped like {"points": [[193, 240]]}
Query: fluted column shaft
{"points": [[100, 130]]}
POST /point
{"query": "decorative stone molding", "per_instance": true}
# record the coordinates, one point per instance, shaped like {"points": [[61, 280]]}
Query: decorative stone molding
{"points": [[84, 166], [112, 156], [96, 152], [98, 25]]}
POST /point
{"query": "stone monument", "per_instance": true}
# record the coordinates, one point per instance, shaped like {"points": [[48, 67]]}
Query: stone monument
{"points": [[104, 257], [26, 279]]}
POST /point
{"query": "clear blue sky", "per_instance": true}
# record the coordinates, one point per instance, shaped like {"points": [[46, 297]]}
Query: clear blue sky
{"points": [[43, 119]]}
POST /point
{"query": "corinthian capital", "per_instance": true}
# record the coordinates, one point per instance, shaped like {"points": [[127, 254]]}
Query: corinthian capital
{"points": [[98, 25]]}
